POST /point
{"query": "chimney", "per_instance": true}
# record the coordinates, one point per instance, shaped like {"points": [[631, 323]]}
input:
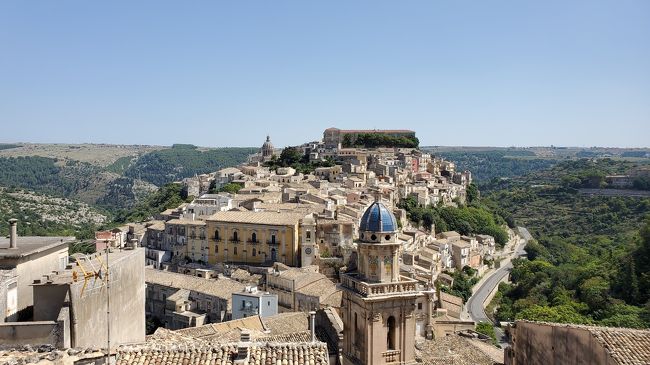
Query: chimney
{"points": [[13, 234], [312, 325]]}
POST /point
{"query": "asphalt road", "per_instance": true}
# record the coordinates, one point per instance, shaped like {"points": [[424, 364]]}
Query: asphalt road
{"points": [[475, 303]]}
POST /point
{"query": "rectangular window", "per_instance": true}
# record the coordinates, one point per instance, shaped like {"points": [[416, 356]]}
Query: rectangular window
{"points": [[420, 306]]}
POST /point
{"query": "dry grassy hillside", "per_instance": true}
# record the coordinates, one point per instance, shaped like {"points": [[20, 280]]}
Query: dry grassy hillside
{"points": [[96, 154]]}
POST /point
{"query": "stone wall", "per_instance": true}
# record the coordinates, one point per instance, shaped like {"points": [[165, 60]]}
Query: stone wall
{"points": [[37, 333], [33, 268], [545, 344], [127, 304]]}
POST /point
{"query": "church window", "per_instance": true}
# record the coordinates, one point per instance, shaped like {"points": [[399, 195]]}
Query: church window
{"points": [[387, 237], [392, 334], [216, 234], [254, 237], [235, 236], [373, 237]]}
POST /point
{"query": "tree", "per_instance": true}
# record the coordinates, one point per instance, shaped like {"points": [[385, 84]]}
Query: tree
{"points": [[290, 156], [487, 329], [558, 314], [427, 219], [473, 194], [232, 188], [594, 291]]}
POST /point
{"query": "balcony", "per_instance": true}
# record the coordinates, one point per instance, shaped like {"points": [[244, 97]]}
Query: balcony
{"points": [[216, 239], [253, 242], [273, 243], [405, 285], [391, 356], [234, 240]]}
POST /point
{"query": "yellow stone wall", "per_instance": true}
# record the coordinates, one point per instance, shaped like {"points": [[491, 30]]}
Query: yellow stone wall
{"points": [[224, 249]]}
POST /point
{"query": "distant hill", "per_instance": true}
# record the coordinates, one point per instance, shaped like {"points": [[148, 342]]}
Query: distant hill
{"points": [[101, 155], [110, 177], [181, 161], [40, 214], [487, 163], [589, 263]]}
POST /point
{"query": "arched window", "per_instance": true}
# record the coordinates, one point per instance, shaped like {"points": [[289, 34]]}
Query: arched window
{"points": [[254, 238], [235, 251], [235, 237], [254, 251], [392, 334], [216, 234]]}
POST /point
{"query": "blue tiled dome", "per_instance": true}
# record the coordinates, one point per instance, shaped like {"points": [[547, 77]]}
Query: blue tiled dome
{"points": [[378, 218]]}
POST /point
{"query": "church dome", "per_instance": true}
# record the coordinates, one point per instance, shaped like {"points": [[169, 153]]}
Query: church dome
{"points": [[378, 218], [267, 147]]}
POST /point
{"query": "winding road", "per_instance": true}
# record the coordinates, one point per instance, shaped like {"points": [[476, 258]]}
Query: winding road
{"points": [[475, 303]]}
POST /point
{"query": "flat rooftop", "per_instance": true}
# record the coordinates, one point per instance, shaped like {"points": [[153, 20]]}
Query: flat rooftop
{"points": [[30, 245], [89, 262]]}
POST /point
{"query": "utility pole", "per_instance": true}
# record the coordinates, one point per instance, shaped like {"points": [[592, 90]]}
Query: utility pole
{"points": [[108, 309]]}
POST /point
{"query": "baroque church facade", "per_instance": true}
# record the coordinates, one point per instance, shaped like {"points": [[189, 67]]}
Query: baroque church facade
{"points": [[378, 303]]}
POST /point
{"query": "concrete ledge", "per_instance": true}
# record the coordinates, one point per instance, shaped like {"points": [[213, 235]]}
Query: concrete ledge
{"points": [[32, 333]]}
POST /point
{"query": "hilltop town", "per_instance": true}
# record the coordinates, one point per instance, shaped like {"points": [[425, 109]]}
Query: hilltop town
{"points": [[321, 253]]}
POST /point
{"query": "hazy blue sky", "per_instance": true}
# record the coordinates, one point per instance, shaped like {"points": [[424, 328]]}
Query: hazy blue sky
{"points": [[227, 73]]}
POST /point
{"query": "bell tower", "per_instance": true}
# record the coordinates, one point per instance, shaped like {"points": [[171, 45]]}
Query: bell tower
{"points": [[308, 244], [378, 303]]}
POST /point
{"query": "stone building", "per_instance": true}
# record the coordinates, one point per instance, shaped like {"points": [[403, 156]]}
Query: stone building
{"points": [[71, 306], [187, 239], [378, 303], [536, 343], [79, 303], [253, 302], [254, 237], [28, 258], [287, 282], [267, 149], [8, 295], [181, 301], [265, 154], [208, 204]]}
